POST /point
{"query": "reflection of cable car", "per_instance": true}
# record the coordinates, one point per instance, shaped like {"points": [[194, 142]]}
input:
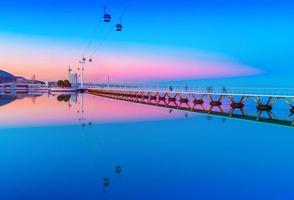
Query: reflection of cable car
{"points": [[107, 17], [118, 169], [105, 182], [90, 60], [119, 26]]}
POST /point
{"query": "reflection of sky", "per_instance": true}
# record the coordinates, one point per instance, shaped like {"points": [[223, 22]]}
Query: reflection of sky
{"points": [[168, 159], [45, 110], [178, 39]]}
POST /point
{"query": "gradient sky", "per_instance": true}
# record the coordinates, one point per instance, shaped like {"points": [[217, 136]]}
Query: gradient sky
{"points": [[250, 40]]}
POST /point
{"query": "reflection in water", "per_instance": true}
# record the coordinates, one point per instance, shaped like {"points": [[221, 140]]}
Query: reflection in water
{"points": [[256, 108], [4, 99], [105, 182], [118, 169], [9, 98], [64, 97], [170, 159], [86, 110], [72, 108]]}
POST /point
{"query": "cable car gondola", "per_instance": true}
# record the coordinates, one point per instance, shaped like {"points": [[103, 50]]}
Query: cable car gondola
{"points": [[119, 26], [107, 16]]}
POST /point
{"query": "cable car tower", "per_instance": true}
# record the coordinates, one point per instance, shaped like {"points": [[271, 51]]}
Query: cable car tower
{"points": [[83, 62], [69, 72]]}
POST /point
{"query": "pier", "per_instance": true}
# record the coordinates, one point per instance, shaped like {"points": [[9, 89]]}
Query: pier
{"points": [[268, 105]]}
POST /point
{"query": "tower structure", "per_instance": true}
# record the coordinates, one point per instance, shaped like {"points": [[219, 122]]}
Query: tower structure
{"points": [[69, 72]]}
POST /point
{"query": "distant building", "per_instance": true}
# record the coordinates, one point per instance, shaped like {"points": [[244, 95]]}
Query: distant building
{"points": [[74, 79], [20, 79]]}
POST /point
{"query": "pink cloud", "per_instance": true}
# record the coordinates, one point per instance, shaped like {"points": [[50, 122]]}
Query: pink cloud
{"points": [[124, 62], [141, 67]]}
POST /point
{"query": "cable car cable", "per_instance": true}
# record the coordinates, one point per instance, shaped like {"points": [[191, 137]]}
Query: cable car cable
{"points": [[124, 11], [91, 40]]}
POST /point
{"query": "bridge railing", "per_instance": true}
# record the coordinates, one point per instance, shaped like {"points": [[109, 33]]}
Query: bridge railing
{"points": [[201, 89]]}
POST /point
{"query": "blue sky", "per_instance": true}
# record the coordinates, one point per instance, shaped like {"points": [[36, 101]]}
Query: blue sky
{"points": [[254, 33]]}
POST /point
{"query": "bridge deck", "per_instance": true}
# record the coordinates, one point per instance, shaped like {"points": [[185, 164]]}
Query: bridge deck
{"points": [[231, 91], [200, 92]]}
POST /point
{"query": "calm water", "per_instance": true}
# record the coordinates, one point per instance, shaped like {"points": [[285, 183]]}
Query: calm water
{"points": [[59, 148]]}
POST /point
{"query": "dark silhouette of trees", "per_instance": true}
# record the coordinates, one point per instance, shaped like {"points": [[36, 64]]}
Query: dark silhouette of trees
{"points": [[63, 83], [67, 83], [60, 83]]}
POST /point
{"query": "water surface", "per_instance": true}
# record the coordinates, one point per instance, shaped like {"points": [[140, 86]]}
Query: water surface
{"points": [[62, 148]]}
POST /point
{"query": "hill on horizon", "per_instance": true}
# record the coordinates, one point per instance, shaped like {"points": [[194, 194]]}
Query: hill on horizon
{"points": [[6, 77]]}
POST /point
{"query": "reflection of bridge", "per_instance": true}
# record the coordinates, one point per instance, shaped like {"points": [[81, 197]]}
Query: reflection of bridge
{"points": [[261, 104], [9, 98]]}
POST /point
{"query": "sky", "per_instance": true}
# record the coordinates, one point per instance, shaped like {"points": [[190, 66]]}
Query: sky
{"points": [[245, 42]]}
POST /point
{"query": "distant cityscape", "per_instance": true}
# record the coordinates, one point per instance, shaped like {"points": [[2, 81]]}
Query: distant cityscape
{"points": [[12, 82]]}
